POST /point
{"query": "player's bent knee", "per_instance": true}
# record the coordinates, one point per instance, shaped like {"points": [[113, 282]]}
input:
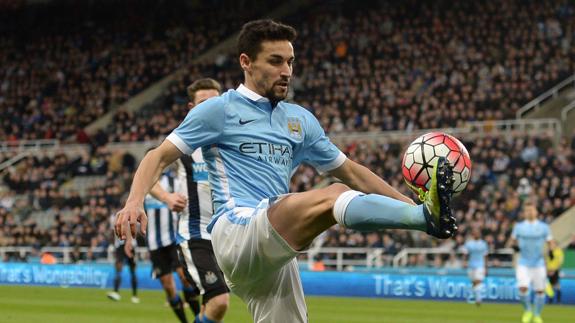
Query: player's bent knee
{"points": [[336, 189], [332, 192]]}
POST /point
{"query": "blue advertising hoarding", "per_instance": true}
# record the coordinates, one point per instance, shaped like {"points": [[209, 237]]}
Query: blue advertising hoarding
{"points": [[389, 283]]}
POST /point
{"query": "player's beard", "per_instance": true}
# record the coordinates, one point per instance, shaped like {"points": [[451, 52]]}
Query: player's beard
{"points": [[275, 94]]}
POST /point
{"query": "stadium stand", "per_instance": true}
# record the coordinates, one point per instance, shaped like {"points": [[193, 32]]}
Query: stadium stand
{"points": [[59, 75], [422, 66]]}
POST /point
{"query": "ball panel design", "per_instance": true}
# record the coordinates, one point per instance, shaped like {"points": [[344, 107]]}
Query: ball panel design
{"points": [[422, 154]]}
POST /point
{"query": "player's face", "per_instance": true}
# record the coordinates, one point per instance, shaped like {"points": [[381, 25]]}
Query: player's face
{"points": [[203, 95], [270, 72], [476, 234], [552, 244], [530, 212]]}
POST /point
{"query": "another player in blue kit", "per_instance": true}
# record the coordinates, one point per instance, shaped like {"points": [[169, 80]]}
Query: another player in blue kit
{"points": [[476, 250], [529, 237], [251, 141]]}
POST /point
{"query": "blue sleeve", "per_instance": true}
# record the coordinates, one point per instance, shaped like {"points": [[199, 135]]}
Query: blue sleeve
{"points": [[318, 150], [514, 232], [202, 126]]}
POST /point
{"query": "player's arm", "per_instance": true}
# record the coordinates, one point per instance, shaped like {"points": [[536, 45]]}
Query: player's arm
{"points": [[175, 201], [360, 178], [513, 244], [146, 176]]}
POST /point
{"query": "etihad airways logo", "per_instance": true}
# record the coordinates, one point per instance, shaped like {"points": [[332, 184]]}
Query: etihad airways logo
{"points": [[272, 153]]}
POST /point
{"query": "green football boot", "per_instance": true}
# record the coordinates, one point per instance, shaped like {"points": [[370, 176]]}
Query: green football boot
{"points": [[437, 200]]}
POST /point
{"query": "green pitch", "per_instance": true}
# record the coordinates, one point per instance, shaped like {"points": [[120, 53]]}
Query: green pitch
{"points": [[78, 305]]}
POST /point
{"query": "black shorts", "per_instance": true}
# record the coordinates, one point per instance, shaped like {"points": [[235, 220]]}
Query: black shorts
{"points": [[201, 268], [122, 257], [164, 261], [554, 279]]}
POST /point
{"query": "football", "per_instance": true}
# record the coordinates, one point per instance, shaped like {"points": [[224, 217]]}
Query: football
{"points": [[422, 155]]}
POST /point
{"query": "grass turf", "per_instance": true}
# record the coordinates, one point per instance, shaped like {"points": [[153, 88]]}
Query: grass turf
{"points": [[82, 305]]}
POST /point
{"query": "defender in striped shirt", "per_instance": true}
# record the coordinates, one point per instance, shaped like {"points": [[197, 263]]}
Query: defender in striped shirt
{"points": [[161, 238], [193, 239]]}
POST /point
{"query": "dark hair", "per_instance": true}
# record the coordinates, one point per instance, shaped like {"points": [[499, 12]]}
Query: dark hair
{"points": [[203, 84], [528, 202], [255, 32]]}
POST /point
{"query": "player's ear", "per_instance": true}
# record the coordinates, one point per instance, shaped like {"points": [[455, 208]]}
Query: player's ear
{"points": [[245, 62]]}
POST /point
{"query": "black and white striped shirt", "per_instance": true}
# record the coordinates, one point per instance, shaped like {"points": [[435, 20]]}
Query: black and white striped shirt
{"points": [[162, 223], [192, 181]]}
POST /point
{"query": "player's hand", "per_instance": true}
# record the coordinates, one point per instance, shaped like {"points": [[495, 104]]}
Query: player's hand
{"points": [[176, 202], [126, 220]]}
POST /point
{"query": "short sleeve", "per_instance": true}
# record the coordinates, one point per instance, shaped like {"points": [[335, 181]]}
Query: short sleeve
{"points": [[514, 232], [319, 151], [202, 126], [485, 248], [465, 248]]}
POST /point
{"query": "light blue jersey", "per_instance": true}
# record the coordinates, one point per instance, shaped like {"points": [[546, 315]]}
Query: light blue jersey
{"points": [[531, 237], [251, 148], [477, 250]]}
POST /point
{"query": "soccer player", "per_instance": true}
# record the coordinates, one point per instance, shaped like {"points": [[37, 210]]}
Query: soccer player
{"points": [[162, 226], [251, 141], [124, 254], [193, 239], [528, 237], [476, 250], [554, 262]]}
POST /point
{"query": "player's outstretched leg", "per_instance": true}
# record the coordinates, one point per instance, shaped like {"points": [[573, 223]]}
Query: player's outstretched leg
{"points": [[373, 212], [301, 217]]}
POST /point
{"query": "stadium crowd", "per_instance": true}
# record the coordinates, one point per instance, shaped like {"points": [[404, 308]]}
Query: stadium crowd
{"points": [[59, 75], [414, 65], [423, 65], [78, 219]]}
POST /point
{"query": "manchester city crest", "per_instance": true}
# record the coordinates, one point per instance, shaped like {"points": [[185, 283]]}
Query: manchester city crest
{"points": [[294, 128]]}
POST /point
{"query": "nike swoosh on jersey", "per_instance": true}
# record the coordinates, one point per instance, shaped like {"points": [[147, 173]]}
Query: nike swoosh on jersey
{"points": [[242, 122]]}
